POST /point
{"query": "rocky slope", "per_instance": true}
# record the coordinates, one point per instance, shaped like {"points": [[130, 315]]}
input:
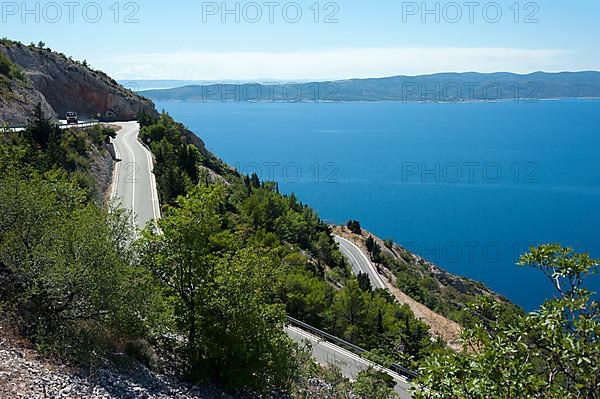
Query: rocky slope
{"points": [[444, 287], [17, 95], [62, 85], [25, 374]]}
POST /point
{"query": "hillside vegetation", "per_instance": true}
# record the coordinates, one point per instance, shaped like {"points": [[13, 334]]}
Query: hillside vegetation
{"points": [[206, 294], [498, 338], [425, 282], [307, 274], [210, 291]]}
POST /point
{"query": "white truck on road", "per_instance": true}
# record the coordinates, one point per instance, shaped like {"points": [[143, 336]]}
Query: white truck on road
{"points": [[72, 118]]}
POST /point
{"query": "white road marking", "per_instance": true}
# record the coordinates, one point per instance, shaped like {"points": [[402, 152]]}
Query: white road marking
{"points": [[346, 353], [128, 141], [353, 257], [155, 205], [134, 176], [113, 191], [373, 269]]}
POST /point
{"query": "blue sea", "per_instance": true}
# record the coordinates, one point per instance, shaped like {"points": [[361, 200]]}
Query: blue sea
{"points": [[468, 186]]}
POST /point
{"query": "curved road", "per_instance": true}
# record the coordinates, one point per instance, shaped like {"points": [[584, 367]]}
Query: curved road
{"points": [[326, 353], [359, 261], [362, 264], [134, 184], [134, 189]]}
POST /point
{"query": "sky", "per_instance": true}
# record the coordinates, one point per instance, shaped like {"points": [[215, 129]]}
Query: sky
{"points": [[309, 40]]}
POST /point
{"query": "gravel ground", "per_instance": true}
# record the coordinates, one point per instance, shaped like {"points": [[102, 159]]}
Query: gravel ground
{"points": [[24, 374]]}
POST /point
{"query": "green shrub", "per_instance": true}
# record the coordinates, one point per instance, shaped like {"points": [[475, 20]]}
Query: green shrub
{"points": [[9, 69], [141, 350], [64, 265], [66, 276], [373, 384], [551, 353], [6, 65]]}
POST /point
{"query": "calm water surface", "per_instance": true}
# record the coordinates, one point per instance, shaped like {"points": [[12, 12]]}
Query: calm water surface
{"points": [[469, 186]]}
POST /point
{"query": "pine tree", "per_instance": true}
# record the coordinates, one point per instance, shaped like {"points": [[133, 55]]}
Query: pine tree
{"points": [[380, 328], [354, 226], [40, 127], [55, 154], [370, 243], [255, 181], [376, 253], [364, 282]]}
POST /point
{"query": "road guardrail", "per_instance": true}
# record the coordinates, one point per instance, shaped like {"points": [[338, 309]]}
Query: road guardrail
{"points": [[82, 125], [354, 348]]}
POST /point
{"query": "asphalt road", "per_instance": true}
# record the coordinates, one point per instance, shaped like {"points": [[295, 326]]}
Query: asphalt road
{"points": [[350, 364], [134, 184], [134, 187], [359, 261]]}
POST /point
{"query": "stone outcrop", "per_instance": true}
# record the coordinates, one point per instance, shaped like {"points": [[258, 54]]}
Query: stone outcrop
{"points": [[17, 101], [65, 85]]}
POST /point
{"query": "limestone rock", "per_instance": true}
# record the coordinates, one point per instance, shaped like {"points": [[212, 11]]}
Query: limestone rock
{"points": [[62, 85]]}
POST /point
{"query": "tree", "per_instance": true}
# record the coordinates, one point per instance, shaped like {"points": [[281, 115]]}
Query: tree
{"points": [[55, 155], [145, 119], [374, 249], [64, 266], [370, 243], [364, 282], [373, 384], [551, 353], [254, 181], [350, 309], [354, 226], [40, 128], [242, 332], [376, 253], [182, 258], [41, 45], [223, 295]]}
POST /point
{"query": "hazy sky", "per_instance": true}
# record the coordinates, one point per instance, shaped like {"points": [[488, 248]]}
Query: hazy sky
{"points": [[283, 40]]}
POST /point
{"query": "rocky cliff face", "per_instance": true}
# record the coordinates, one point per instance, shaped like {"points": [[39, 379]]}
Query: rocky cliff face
{"points": [[17, 100], [62, 85]]}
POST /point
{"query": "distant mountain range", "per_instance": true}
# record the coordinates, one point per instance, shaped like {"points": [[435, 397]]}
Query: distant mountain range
{"points": [[443, 87]]}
